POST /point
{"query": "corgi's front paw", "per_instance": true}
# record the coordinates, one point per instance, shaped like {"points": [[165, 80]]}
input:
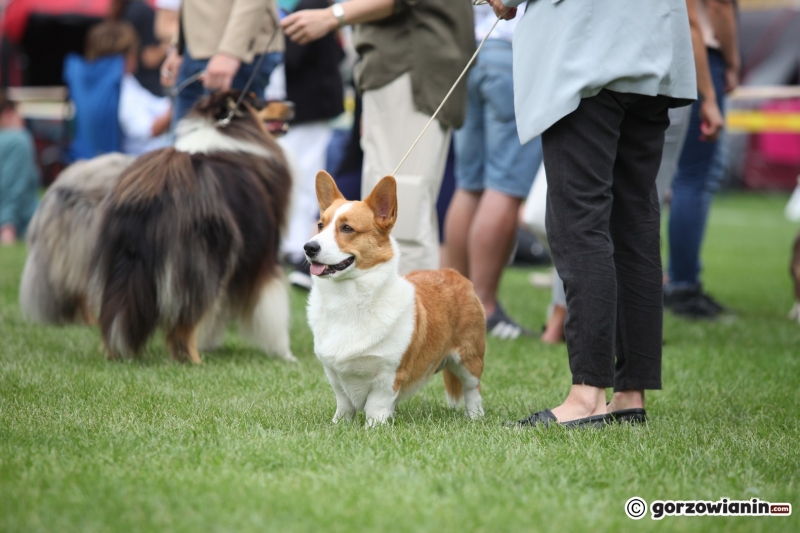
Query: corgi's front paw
{"points": [[474, 413], [378, 421]]}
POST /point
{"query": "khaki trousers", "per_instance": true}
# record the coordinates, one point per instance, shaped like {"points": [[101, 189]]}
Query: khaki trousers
{"points": [[390, 125]]}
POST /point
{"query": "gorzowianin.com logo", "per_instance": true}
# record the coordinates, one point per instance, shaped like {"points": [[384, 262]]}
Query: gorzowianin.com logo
{"points": [[636, 508]]}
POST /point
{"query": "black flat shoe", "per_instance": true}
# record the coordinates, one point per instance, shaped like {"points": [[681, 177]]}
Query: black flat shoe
{"points": [[546, 418], [636, 415]]}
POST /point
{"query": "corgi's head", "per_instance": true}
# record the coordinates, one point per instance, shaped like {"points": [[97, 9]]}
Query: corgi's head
{"points": [[353, 236]]}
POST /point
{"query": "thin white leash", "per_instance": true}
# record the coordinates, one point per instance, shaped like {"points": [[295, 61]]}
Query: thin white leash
{"points": [[175, 91], [469, 63]]}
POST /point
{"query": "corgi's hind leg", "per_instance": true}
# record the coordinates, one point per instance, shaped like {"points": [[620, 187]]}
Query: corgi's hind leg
{"points": [[453, 391], [468, 369], [267, 324], [473, 404], [182, 342]]}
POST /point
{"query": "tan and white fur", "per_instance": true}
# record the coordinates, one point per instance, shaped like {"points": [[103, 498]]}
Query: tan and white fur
{"points": [[380, 336]]}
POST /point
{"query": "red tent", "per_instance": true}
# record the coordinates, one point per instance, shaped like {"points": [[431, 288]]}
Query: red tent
{"points": [[43, 32], [18, 13]]}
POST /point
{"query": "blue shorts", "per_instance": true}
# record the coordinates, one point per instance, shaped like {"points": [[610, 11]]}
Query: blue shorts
{"points": [[488, 152], [195, 90]]}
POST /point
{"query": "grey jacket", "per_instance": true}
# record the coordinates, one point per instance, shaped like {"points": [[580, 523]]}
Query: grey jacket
{"points": [[565, 50]]}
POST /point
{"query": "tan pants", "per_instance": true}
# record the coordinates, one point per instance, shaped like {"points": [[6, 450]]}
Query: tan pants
{"points": [[390, 125]]}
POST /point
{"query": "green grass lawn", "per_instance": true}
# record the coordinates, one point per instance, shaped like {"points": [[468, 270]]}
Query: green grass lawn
{"points": [[245, 442]]}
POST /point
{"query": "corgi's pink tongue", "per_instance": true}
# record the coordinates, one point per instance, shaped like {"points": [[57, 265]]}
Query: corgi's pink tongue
{"points": [[317, 269]]}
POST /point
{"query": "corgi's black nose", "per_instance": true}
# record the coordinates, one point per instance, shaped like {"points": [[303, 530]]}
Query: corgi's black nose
{"points": [[311, 248]]}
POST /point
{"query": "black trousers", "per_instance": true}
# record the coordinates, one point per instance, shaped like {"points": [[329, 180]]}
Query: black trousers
{"points": [[603, 226]]}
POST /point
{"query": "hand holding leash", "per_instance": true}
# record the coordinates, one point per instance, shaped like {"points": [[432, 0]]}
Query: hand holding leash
{"points": [[220, 71], [503, 12]]}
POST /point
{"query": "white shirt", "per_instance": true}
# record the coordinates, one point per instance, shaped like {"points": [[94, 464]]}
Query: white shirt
{"points": [[170, 5], [138, 110]]}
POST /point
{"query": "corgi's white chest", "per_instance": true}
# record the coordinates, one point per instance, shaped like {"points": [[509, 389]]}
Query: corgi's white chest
{"points": [[360, 338]]}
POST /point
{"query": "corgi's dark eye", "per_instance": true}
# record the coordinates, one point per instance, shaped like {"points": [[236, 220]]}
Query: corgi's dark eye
{"points": [[347, 229], [319, 226]]}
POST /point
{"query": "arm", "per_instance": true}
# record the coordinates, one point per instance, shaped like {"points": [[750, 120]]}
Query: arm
{"points": [[712, 121], [310, 24], [134, 121], [166, 25], [244, 22], [722, 15], [171, 67], [162, 123], [154, 55]]}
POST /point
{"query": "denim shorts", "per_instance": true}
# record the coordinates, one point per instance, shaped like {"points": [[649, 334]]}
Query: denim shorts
{"points": [[488, 152], [194, 91]]}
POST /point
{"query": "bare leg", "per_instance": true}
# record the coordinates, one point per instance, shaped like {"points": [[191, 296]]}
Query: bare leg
{"points": [[491, 237], [627, 399], [554, 331], [457, 226]]}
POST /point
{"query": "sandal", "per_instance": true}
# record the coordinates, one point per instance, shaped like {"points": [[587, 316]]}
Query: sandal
{"points": [[637, 415], [546, 418]]}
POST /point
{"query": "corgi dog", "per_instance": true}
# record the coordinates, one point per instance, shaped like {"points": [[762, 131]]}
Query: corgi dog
{"points": [[380, 336]]}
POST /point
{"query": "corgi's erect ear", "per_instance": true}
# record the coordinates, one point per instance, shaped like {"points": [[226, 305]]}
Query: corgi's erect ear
{"points": [[327, 191], [383, 202]]}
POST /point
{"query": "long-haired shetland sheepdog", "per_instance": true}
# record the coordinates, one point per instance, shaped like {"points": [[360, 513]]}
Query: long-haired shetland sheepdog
{"points": [[189, 238], [60, 242], [380, 336], [795, 271]]}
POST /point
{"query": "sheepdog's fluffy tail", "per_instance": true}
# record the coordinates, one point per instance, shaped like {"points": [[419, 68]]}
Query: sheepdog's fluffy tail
{"points": [[54, 287], [165, 246]]}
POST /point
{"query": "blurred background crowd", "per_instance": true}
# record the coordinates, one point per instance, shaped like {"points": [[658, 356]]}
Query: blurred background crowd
{"points": [[85, 77]]}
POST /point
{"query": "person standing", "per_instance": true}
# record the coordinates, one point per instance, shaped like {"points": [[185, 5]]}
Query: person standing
{"points": [[710, 128], [698, 178], [19, 175], [224, 38], [411, 54], [152, 51], [494, 173], [314, 84], [595, 78]]}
